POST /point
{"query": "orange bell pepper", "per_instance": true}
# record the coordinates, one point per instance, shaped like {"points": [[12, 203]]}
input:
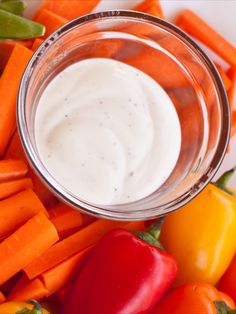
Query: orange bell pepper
{"points": [[201, 235], [195, 298]]}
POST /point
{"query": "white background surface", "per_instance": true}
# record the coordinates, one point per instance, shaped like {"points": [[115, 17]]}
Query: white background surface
{"points": [[221, 14]]}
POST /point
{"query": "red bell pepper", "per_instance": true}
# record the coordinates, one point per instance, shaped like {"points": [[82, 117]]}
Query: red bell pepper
{"points": [[126, 273], [195, 298], [228, 281]]}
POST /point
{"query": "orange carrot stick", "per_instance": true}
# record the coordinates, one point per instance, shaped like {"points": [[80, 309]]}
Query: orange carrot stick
{"points": [[12, 187], [70, 9], [15, 149], [135, 226], [73, 244], [9, 284], [198, 28], [226, 80], [231, 96], [70, 246], [57, 277], [11, 169], [6, 48], [37, 42], [17, 209], [150, 6], [65, 218], [233, 130], [231, 73], [21, 283], [155, 11], [34, 290], [2, 298], [43, 193], [160, 67], [25, 244], [51, 20], [9, 83]]}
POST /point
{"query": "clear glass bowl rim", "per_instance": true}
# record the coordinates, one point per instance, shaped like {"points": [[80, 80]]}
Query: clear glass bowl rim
{"points": [[99, 211]]}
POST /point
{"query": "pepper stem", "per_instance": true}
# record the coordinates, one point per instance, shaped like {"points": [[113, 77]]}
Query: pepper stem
{"points": [[37, 309], [223, 308], [152, 234], [222, 182], [155, 229]]}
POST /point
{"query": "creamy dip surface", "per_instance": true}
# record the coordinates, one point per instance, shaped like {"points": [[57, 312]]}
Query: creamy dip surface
{"points": [[107, 132]]}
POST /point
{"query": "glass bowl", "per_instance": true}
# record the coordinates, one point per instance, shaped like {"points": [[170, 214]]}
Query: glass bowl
{"points": [[170, 57]]}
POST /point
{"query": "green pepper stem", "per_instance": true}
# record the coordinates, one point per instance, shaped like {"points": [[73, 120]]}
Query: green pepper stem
{"points": [[37, 309], [222, 182], [152, 234], [155, 229], [223, 308]]}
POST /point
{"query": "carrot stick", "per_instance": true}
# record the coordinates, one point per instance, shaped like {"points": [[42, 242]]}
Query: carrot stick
{"points": [[70, 246], [198, 28], [17, 209], [231, 73], [5, 52], [87, 219], [154, 10], [12, 169], [6, 48], [57, 277], [159, 66], [104, 48], [15, 150], [2, 298], [25, 244], [43, 193], [37, 42], [9, 83], [73, 244], [150, 6], [231, 96], [226, 80], [12, 187], [21, 283], [51, 20], [70, 9], [34, 290], [25, 42], [233, 130], [65, 218], [9, 284], [135, 226]]}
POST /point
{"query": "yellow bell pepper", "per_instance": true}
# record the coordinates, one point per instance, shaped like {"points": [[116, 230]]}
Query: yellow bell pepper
{"points": [[202, 234], [22, 308]]}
